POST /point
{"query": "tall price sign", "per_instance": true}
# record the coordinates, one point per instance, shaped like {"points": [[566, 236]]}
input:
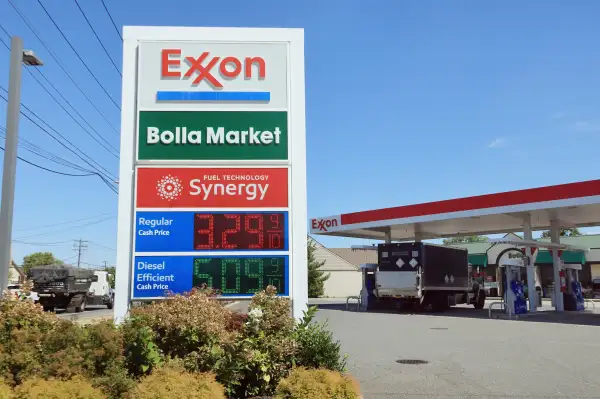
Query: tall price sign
{"points": [[212, 185]]}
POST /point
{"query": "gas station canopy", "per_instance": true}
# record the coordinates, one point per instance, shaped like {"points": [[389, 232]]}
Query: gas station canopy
{"points": [[570, 205]]}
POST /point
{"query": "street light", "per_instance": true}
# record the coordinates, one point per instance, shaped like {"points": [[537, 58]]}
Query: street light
{"points": [[17, 57]]}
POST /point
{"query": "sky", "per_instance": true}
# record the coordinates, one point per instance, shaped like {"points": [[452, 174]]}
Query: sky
{"points": [[406, 102]]}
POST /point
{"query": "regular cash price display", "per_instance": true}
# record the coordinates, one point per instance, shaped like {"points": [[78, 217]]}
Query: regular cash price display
{"points": [[211, 231], [213, 164]]}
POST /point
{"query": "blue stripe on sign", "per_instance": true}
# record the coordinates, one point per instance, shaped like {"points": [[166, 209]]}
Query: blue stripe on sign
{"points": [[213, 96]]}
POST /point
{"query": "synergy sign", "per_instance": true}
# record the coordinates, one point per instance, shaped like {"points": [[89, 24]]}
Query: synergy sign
{"points": [[213, 164], [212, 187]]}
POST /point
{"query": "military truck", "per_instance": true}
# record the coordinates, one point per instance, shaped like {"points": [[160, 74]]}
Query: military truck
{"points": [[71, 288]]}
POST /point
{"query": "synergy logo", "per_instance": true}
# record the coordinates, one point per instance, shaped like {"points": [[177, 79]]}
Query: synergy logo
{"points": [[208, 187], [169, 188], [213, 70]]}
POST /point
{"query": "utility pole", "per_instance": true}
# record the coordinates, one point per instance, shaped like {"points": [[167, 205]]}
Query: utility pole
{"points": [[79, 246], [17, 57], [105, 263]]}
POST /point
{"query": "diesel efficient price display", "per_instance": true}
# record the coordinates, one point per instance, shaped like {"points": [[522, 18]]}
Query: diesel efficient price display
{"points": [[240, 275], [189, 231], [229, 231]]}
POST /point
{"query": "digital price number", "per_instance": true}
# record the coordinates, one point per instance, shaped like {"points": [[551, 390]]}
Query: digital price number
{"points": [[240, 275], [239, 231]]}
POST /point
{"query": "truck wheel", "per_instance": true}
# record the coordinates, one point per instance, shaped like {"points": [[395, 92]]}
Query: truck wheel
{"points": [[81, 307], [439, 303], [111, 303], [480, 301]]}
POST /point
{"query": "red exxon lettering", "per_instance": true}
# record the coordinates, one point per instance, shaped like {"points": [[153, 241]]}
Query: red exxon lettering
{"points": [[324, 224], [203, 65]]}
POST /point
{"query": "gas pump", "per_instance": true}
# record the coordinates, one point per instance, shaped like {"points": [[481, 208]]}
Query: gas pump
{"points": [[514, 294], [367, 294], [573, 294]]}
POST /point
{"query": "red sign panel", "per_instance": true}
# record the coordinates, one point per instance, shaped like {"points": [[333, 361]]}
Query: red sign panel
{"points": [[212, 187]]}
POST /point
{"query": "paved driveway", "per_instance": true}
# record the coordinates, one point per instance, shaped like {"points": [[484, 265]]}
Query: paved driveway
{"points": [[468, 355]]}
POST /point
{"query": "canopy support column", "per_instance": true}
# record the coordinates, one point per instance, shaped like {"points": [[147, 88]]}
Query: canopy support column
{"points": [[388, 236], [528, 236], [418, 236], [555, 239]]}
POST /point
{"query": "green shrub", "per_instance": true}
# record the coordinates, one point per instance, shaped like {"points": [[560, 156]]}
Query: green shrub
{"points": [[75, 388], [276, 312], [262, 352], [21, 355], [141, 353], [172, 381], [185, 323], [17, 315], [103, 347], [5, 390], [116, 383], [317, 384], [41, 345], [316, 345]]}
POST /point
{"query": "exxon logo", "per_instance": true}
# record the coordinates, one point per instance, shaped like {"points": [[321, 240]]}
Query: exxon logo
{"points": [[324, 224], [214, 70]]}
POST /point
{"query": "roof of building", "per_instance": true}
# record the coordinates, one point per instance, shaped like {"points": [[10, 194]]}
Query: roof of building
{"points": [[591, 241], [354, 257], [19, 269]]}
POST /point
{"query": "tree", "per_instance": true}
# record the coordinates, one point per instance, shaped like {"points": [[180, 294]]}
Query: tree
{"points": [[573, 232], [39, 259], [316, 277], [112, 273], [464, 240]]}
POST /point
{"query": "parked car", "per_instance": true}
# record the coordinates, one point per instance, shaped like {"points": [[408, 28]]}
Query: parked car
{"points": [[15, 289]]}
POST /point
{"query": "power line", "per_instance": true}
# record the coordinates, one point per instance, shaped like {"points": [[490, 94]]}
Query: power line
{"points": [[58, 63], [105, 178], [107, 174], [71, 115], [112, 20], [51, 170], [102, 246], [97, 37], [40, 152], [67, 229], [66, 222], [42, 244], [77, 54]]}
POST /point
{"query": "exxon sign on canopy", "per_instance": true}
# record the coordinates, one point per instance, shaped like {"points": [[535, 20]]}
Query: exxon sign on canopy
{"points": [[183, 75]]}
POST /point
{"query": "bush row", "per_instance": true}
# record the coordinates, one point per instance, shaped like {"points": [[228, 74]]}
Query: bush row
{"points": [[174, 380], [187, 345]]}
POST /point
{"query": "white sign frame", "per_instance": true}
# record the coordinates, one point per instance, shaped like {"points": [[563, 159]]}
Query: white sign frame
{"points": [[294, 38]]}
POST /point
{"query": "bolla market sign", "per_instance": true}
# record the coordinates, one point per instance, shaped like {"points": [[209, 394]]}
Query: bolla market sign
{"points": [[204, 67], [208, 135]]}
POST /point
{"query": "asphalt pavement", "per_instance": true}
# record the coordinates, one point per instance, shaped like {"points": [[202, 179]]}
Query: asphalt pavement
{"points": [[464, 354], [90, 315]]}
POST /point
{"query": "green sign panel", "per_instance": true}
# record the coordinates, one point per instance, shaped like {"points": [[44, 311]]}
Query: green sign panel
{"points": [[212, 135]]}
